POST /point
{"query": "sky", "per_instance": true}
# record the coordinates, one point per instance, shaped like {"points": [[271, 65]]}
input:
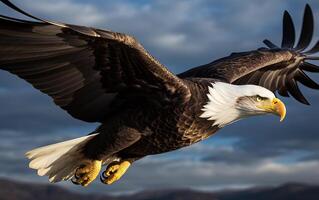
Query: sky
{"points": [[182, 34]]}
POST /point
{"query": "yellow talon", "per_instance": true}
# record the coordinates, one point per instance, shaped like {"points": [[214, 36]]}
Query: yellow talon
{"points": [[87, 173], [115, 171]]}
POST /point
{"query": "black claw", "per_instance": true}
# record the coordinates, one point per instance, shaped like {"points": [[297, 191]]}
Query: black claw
{"points": [[103, 175], [102, 178], [74, 182], [77, 176]]}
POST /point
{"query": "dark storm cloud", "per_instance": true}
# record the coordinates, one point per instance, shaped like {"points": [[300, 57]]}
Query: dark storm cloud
{"points": [[180, 34]]}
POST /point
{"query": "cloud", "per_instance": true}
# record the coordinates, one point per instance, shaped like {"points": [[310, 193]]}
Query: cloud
{"points": [[66, 10], [150, 174], [33, 113], [170, 41], [180, 34]]}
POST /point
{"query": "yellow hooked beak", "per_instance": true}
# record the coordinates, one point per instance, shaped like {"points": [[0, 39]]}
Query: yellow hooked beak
{"points": [[274, 106], [278, 108]]}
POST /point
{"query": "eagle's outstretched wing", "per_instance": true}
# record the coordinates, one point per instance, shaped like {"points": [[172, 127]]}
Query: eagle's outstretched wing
{"points": [[83, 69], [276, 68]]}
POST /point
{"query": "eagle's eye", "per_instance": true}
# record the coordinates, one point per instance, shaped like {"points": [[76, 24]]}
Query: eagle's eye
{"points": [[259, 98]]}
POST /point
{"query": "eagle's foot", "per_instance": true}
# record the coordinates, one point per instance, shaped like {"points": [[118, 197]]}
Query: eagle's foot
{"points": [[87, 172], [114, 172]]}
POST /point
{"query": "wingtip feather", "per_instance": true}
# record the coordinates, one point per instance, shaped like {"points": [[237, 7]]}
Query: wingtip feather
{"points": [[270, 44], [288, 32], [306, 30]]}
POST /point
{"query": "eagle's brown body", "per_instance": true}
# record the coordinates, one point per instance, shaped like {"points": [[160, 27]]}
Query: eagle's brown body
{"points": [[108, 77], [161, 128]]}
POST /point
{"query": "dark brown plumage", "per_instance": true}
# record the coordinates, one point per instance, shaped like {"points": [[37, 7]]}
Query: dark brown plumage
{"points": [[277, 69], [107, 77]]}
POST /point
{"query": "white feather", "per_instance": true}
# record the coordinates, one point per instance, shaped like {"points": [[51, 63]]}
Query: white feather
{"points": [[221, 105], [58, 161]]}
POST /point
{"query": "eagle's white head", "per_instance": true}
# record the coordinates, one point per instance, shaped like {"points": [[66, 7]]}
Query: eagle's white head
{"points": [[228, 103]]}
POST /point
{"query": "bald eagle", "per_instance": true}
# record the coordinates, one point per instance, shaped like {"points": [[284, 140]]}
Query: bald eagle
{"points": [[108, 77]]}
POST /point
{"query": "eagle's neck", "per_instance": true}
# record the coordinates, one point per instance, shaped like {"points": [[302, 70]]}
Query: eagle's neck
{"points": [[221, 105]]}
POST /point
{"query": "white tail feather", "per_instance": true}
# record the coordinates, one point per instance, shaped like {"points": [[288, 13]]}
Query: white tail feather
{"points": [[58, 161]]}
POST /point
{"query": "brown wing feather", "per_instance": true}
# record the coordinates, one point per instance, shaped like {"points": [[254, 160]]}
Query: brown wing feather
{"points": [[274, 68], [83, 69]]}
